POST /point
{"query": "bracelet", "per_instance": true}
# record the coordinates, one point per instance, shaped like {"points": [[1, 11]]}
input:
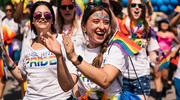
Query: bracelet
{"points": [[12, 67]]}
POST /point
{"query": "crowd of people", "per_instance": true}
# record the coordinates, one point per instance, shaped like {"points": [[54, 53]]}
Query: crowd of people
{"points": [[55, 54]]}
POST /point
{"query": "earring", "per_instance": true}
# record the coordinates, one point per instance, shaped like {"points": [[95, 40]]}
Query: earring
{"points": [[84, 31]]}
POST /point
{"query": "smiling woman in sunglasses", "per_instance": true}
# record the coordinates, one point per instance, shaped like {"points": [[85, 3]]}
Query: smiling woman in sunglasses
{"points": [[37, 64], [98, 66], [67, 21], [135, 27]]}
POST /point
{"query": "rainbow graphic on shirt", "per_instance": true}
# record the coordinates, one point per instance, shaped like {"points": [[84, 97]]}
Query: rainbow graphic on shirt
{"points": [[8, 35], [34, 60], [73, 38]]}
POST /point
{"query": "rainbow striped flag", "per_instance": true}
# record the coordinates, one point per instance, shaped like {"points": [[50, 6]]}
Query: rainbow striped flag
{"points": [[128, 47], [80, 7], [165, 60], [1, 68]]}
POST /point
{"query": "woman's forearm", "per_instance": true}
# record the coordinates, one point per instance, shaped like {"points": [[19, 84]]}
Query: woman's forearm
{"points": [[65, 79], [15, 72]]}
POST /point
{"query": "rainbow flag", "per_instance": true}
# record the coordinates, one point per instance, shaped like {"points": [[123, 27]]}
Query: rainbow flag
{"points": [[129, 47], [8, 35], [1, 68], [80, 7], [165, 60]]}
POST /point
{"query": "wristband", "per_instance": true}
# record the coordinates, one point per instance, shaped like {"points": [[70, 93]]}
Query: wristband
{"points": [[12, 67]]}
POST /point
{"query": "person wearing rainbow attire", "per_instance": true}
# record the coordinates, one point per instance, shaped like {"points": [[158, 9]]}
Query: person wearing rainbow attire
{"points": [[98, 66]]}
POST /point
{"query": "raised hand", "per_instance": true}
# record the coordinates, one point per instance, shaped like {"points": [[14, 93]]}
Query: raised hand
{"points": [[69, 46], [51, 43]]}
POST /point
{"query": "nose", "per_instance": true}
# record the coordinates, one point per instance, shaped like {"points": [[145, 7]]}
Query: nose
{"points": [[42, 16], [101, 25], [67, 8]]}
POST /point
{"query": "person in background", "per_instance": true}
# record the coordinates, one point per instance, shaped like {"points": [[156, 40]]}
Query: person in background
{"points": [[67, 21], [135, 27], [22, 17], [37, 64], [116, 7], [175, 27], [10, 30], [165, 39], [98, 65], [2, 75]]}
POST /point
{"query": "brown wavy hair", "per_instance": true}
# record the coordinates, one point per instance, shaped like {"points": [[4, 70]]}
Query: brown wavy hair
{"points": [[87, 13], [146, 30]]}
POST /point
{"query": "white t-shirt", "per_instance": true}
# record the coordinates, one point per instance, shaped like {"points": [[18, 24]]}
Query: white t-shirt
{"points": [[13, 27], [2, 14], [140, 61], [40, 67], [113, 57], [77, 36]]}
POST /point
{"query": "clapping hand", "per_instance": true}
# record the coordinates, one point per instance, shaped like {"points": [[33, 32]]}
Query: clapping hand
{"points": [[51, 43], [69, 46]]}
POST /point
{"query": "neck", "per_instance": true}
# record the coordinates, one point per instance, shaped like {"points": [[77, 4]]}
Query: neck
{"points": [[93, 45], [135, 21], [66, 22]]}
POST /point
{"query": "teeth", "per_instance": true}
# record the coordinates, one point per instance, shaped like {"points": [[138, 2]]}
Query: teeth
{"points": [[100, 33]]}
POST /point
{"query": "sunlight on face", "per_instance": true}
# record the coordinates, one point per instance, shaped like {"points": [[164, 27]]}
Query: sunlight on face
{"points": [[136, 9], [97, 28]]}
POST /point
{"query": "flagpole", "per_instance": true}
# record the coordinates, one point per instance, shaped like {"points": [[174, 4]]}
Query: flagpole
{"points": [[1, 45], [114, 34], [137, 77]]}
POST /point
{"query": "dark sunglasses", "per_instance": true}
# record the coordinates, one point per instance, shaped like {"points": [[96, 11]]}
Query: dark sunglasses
{"points": [[134, 5], [63, 7], [101, 4], [10, 10], [38, 15]]}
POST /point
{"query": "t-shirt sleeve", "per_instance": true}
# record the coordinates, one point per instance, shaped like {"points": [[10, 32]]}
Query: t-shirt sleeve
{"points": [[153, 44], [22, 61], [72, 69], [116, 58]]}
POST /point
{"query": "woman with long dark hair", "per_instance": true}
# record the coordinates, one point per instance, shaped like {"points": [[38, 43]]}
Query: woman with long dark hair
{"points": [[37, 64]]}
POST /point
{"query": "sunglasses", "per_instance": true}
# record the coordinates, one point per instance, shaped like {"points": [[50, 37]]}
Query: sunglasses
{"points": [[38, 15], [63, 7], [101, 4], [134, 5], [10, 10]]}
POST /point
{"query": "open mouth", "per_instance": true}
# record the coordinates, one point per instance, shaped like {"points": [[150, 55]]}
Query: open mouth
{"points": [[136, 12], [100, 33], [43, 22]]}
